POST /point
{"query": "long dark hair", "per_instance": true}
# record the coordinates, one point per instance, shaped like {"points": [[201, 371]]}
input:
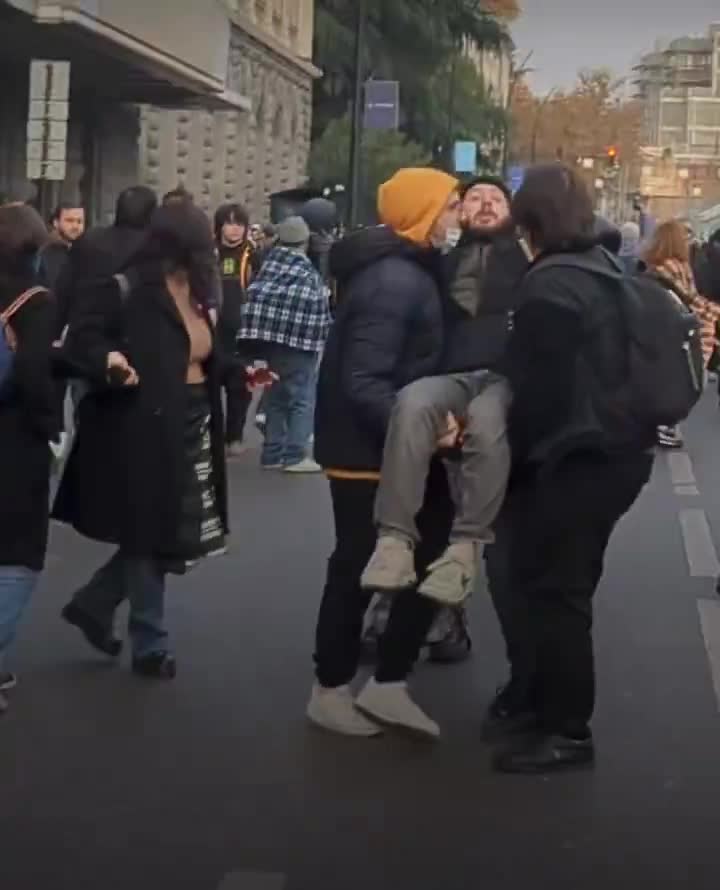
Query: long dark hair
{"points": [[22, 234], [553, 206], [180, 237]]}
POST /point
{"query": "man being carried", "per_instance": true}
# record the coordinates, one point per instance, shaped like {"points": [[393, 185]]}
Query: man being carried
{"points": [[467, 406]]}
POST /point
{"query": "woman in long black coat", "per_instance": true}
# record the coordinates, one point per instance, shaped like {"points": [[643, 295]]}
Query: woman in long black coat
{"points": [[147, 470], [28, 420]]}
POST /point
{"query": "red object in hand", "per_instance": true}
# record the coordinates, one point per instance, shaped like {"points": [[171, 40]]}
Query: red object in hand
{"points": [[260, 377]]}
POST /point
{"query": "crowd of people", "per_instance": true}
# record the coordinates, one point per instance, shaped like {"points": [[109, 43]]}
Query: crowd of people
{"points": [[470, 375]]}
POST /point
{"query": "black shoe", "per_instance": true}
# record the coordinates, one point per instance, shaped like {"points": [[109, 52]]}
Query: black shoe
{"points": [[456, 645], [98, 637], [161, 665], [8, 681], [450, 651], [509, 715], [547, 754], [669, 437]]}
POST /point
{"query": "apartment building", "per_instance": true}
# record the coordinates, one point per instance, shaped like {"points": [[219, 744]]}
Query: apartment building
{"points": [[679, 87]]}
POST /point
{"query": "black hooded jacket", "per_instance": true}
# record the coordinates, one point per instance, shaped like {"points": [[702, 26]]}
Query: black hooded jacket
{"points": [[483, 285], [387, 333]]}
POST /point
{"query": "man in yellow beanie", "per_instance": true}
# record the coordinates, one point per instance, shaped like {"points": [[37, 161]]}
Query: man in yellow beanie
{"points": [[388, 332], [415, 205]]}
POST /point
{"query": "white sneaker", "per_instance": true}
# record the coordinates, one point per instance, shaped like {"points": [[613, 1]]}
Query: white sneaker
{"points": [[391, 567], [451, 580], [304, 466], [334, 710], [390, 704]]}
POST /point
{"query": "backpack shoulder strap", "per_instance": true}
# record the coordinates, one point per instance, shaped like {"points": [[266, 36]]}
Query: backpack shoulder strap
{"points": [[614, 268], [20, 301]]}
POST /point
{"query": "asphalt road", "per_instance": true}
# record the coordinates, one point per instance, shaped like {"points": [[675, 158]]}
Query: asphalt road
{"points": [[215, 781]]}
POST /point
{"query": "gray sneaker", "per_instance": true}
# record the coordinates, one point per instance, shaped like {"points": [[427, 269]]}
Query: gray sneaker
{"points": [[391, 567], [451, 580]]}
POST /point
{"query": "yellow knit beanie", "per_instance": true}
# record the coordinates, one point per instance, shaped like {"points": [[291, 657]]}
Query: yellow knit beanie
{"points": [[412, 200]]}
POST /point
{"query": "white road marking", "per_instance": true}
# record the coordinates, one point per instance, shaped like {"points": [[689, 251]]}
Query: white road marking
{"points": [[687, 491], [710, 624], [700, 549], [253, 880], [681, 468]]}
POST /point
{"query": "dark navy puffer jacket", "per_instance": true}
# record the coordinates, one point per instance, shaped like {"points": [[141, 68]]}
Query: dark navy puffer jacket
{"points": [[388, 332]]}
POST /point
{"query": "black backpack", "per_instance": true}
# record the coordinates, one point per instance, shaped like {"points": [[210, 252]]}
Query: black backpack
{"points": [[663, 374]]}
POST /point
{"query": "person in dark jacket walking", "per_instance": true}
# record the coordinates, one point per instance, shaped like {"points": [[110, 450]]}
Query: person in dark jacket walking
{"points": [[238, 263], [105, 250], [28, 422], [572, 482], [147, 470], [388, 332], [67, 226]]}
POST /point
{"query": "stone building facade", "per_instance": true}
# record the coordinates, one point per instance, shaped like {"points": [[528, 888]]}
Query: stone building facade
{"points": [[214, 95], [237, 155]]}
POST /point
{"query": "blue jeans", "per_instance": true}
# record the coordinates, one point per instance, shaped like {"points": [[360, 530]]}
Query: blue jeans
{"points": [[16, 586], [289, 406], [142, 582]]}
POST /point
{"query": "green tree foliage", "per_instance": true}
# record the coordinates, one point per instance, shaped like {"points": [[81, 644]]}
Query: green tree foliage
{"points": [[383, 154], [419, 43]]}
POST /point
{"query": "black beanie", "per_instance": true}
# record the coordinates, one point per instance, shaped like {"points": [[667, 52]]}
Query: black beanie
{"points": [[488, 179]]}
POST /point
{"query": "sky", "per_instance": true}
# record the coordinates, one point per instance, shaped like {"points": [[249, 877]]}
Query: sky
{"points": [[566, 35]]}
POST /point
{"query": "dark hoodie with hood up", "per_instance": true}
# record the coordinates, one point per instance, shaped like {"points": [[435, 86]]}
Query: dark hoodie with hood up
{"points": [[388, 332]]}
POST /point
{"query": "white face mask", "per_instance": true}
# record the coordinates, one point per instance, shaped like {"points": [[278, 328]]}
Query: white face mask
{"points": [[452, 239]]}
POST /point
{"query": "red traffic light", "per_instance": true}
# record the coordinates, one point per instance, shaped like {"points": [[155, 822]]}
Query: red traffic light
{"points": [[612, 152]]}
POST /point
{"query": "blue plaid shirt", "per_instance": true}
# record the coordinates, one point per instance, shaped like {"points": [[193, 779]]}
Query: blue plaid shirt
{"points": [[287, 303]]}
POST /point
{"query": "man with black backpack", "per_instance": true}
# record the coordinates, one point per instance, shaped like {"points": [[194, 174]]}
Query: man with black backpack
{"points": [[597, 360]]}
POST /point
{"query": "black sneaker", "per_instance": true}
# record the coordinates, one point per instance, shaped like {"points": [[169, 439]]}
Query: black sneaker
{"points": [[98, 637], [670, 437], [510, 714], [4, 704], [455, 644], [160, 665], [8, 681], [547, 754]]}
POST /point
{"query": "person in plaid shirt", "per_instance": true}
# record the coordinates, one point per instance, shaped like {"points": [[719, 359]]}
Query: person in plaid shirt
{"points": [[668, 257], [286, 321]]}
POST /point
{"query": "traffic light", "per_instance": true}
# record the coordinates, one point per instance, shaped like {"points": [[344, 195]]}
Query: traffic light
{"points": [[612, 156]]}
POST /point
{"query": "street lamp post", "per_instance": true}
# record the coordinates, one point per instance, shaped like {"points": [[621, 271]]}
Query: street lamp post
{"points": [[357, 115], [517, 72]]}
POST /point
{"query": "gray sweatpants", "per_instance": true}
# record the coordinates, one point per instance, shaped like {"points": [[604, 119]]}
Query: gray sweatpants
{"points": [[478, 481]]}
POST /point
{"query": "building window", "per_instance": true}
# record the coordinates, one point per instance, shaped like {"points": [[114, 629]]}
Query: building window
{"points": [[705, 114], [674, 114]]}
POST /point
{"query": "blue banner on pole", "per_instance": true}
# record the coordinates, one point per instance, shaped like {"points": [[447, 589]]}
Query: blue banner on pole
{"points": [[466, 157], [382, 105]]}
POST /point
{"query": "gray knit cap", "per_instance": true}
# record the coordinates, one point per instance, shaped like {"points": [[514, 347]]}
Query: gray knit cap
{"points": [[293, 232]]}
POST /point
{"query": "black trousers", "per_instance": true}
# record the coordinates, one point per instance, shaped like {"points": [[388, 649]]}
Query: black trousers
{"points": [[344, 603], [238, 401], [544, 569]]}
